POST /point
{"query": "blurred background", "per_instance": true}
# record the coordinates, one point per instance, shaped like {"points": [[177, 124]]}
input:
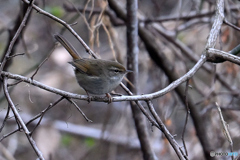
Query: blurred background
{"points": [[63, 132]]}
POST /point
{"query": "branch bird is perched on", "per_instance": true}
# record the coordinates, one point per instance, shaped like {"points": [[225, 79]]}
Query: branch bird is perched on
{"points": [[95, 76]]}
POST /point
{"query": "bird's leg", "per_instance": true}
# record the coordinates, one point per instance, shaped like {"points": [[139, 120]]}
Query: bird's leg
{"points": [[89, 99], [109, 98]]}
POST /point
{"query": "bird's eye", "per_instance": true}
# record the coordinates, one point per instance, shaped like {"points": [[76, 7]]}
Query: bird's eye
{"points": [[116, 71]]}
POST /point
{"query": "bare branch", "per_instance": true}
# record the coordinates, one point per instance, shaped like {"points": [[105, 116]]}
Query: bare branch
{"points": [[231, 25], [132, 64], [187, 115], [225, 128], [20, 28], [166, 132], [144, 97], [43, 61], [19, 54], [5, 119], [19, 119], [84, 116], [35, 117], [217, 56], [219, 17]]}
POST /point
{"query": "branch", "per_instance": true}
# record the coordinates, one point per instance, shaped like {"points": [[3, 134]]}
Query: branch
{"points": [[217, 56], [192, 56], [165, 131], [225, 128], [5, 119], [231, 25], [51, 105], [144, 97], [218, 20], [78, 108], [19, 119], [15, 37], [132, 64], [187, 115]]}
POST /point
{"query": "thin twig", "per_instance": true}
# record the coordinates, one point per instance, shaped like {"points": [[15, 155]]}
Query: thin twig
{"points": [[15, 83], [40, 65], [83, 114], [110, 41], [14, 55], [5, 119], [187, 115], [164, 129], [225, 128], [82, 15], [35, 127], [41, 117], [231, 25], [144, 111], [51, 105], [34, 118]]}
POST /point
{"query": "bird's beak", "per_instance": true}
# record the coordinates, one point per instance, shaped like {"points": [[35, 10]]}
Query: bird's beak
{"points": [[128, 71]]}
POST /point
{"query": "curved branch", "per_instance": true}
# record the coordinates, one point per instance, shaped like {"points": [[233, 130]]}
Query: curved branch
{"points": [[143, 97]]}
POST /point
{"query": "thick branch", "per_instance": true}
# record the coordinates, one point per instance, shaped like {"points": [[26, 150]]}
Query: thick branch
{"points": [[217, 56], [219, 16], [132, 63]]}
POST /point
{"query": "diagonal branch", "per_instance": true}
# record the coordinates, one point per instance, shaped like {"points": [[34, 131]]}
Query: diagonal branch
{"points": [[19, 30], [35, 117], [19, 119]]}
